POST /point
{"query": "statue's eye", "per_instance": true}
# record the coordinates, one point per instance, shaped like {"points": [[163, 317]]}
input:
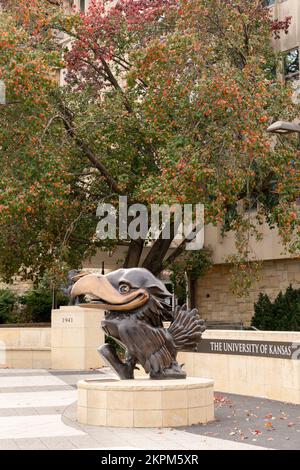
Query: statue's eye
{"points": [[124, 288]]}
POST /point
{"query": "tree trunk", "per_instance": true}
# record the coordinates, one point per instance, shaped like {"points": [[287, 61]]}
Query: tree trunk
{"points": [[134, 254], [154, 259]]}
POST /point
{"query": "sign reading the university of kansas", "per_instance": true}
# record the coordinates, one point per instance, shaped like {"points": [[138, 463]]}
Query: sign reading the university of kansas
{"points": [[280, 350]]}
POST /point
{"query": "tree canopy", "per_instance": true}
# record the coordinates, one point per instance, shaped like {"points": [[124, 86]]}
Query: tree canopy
{"points": [[163, 101]]}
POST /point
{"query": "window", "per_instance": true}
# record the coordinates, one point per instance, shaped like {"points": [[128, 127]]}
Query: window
{"points": [[291, 64], [82, 5], [268, 3]]}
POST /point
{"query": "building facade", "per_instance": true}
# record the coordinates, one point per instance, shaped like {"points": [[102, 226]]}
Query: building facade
{"points": [[212, 291]]}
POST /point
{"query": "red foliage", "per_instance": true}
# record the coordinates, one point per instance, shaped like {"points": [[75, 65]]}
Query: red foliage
{"points": [[98, 35], [279, 26]]}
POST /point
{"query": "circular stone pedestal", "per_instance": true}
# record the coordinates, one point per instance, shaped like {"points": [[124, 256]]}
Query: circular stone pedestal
{"points": [[145, 403]]}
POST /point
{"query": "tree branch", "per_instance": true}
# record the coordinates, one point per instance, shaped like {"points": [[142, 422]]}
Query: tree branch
{"points": [[155, 257], [67, 119], [134, 253]]}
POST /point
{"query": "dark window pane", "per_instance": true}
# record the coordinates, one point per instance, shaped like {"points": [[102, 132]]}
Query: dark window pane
{"points": [[82, 5], [291, 63]]}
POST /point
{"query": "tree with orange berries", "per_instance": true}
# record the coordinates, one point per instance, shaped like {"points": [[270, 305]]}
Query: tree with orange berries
{"points": [[166, 102]]}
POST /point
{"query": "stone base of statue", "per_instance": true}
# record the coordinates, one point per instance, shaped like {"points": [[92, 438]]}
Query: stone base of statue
{"points": [[145, 403]]}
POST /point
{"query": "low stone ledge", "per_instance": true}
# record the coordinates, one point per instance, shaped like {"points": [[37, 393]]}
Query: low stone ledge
{"points": [[25, 325], [145, 384], [145, 402], [27, 349]]}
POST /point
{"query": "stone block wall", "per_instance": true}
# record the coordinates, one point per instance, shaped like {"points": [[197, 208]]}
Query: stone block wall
{"points": [[75, 336], [268, 377], [216, 302], [27, 348]]}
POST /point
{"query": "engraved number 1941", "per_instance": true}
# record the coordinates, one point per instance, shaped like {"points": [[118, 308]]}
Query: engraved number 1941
{"points": [[67, 320]]}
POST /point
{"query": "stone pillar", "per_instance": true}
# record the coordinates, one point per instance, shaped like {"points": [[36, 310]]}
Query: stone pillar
{"points": [[75, 336]]}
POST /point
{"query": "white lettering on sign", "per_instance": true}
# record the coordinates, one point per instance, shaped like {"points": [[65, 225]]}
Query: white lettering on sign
{"points": [[263, 348], [283, 350], [216, 346], [250, 348], [280, 350]]}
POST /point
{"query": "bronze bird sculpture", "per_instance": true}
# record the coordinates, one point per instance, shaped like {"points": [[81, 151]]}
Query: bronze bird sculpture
{"points": [[136, 305]]}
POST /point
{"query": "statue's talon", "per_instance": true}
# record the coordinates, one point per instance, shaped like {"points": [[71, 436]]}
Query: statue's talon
{"points": [[173, 372], [109, 355]]}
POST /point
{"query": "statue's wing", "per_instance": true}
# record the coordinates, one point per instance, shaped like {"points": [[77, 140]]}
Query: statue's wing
{"points": [[149, 345], [186, 329]]}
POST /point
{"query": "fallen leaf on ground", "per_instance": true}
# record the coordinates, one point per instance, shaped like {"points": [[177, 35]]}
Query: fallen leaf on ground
{"points": [[268, 424]]}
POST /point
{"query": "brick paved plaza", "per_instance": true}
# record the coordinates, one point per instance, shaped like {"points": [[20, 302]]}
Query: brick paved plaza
{"points": [[38, 411]]}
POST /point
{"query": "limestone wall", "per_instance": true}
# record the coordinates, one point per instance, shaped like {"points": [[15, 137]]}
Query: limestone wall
{"points": [[215, 301], [281, 10], [268, 248], [75, 336], [70, 343], [273, 378], [25, 347]]}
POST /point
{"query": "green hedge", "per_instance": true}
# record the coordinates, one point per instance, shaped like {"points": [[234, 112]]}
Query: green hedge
{"points": [[281, 315], [7, 303], [38, 304], [32, 307]]}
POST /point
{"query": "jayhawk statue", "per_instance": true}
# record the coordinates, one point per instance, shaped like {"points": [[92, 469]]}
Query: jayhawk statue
{"points": [[136, 305]]}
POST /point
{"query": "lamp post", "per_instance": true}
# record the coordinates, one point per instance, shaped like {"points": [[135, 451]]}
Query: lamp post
{"points": [[2, 92], [283, 128], [3, 101]]}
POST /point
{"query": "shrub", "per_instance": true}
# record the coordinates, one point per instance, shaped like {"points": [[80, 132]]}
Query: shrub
{"points": [[281, 315], [38, 304], [7, 303]]}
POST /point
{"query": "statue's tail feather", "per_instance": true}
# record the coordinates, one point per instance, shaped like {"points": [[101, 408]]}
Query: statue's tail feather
{"points": [[186, 328]]}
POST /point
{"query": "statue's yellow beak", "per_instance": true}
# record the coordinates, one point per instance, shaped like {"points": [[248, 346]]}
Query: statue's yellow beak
{"points": [[106, 296]]}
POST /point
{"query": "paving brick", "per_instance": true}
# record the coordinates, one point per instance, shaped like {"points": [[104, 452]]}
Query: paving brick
{"points": [[31, 444], [8, 444]]}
